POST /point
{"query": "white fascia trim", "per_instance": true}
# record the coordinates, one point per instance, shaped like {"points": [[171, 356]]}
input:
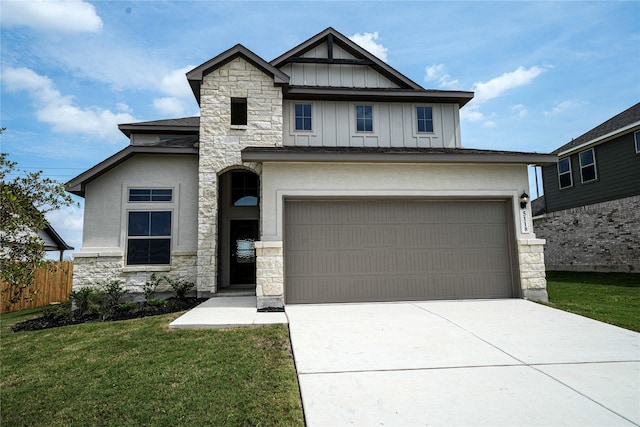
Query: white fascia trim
{"points": [[602, 138]]}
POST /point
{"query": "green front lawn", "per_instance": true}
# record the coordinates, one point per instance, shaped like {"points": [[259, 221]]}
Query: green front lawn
{"points": [[609, 297], [138, 372]]}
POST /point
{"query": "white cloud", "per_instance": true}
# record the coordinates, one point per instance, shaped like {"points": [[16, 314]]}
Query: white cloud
{"points": [[69, 16], [470, 113], [495, 87], [438, 73], [369, 42], [175, 83], [169, 106], [59, 110], [520, 110], [561, 107]]}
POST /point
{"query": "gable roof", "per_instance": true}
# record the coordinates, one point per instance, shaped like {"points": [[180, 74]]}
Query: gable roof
{"points": [[185, 125], [609, 129], [186, 145], [196, 75], [52, 240], [364, 57]]}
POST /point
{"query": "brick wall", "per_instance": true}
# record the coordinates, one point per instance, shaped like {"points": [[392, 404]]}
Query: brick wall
{"points": [[598, 237]]}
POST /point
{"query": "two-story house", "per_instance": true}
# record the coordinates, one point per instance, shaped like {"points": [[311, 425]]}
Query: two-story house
{"points": [[324, 175], [590, 213]]}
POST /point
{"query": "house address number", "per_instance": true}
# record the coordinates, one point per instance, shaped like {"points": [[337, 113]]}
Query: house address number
{"points": [[525, 221]]}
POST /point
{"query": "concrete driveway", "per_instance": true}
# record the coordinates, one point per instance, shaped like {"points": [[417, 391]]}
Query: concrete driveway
{"points": [[455, 363]]}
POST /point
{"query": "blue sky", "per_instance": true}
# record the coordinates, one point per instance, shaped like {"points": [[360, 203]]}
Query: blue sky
{"points": [[543, 72]]}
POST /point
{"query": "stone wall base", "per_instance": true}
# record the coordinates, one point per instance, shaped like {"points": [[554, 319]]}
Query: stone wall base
{"points": [[533, 281], [269, 276], [90, 269]]}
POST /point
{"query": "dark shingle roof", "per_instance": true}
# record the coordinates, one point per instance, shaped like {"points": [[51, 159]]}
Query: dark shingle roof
{"points": [[627, 117], [181, 125]]}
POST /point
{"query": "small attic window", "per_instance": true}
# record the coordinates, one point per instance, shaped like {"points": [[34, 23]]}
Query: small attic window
{"points": [[239, 111]]}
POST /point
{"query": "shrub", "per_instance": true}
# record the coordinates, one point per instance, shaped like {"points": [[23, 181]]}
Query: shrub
{"points": [[128, 306], [113, 291], [179, 286], [58, 312], [150, 287], [87, 300]]}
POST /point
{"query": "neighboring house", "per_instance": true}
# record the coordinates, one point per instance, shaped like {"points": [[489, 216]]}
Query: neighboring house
{"points": [[589, 215], [324, 175], [53, 242]]}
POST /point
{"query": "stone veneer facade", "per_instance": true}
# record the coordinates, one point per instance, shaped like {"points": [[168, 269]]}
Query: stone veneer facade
{"points": [[221, 143], [533, 282], [93, 268], [598, 237]]}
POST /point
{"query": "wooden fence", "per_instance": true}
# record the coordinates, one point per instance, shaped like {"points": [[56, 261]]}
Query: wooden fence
{"points": [[51, 284]]}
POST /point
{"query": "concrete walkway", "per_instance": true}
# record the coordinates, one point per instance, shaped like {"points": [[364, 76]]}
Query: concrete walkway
{"points": [[463, 363], [226, 312]]}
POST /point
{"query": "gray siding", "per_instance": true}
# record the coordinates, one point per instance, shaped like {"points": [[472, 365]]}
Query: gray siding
{"points": [[389, 249], [618, 171], [394, 125]]}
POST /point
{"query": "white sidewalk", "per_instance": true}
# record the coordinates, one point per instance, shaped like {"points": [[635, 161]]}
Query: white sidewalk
{"points": [[226, 312]]}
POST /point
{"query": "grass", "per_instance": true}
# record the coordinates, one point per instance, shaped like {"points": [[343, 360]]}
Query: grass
{"points": [[608, 297], [138, 372]]}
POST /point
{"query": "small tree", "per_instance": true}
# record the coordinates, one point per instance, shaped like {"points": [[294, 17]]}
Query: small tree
{"points": [[25, 199]]}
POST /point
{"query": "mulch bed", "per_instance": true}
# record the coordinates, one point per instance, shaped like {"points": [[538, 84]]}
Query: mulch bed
{"points": [[54, 317]]}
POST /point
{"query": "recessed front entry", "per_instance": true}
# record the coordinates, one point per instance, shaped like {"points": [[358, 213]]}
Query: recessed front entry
{"points": [[242, 262], [238, 228]]}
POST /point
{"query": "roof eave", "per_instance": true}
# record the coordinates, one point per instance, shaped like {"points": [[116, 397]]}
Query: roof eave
{"points": [[334, 94], [275, 155], [77, 185], [601, 139]]}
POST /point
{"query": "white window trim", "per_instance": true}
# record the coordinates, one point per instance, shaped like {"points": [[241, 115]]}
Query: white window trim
{"points": [[595, 169], [293, 118], [636, 140], [570, 172], [170, 237], [373, 119], [415, 120], [128, 206]]}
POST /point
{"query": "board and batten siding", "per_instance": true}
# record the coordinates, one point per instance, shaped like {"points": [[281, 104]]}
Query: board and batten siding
{"points": [[394, 125], [618, 176], [335, 75]]}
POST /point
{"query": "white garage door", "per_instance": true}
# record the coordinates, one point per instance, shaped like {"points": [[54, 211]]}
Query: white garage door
{"points": [[390, 249]]}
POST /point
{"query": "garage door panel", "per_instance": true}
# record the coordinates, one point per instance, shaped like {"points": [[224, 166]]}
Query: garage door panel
{"points": [[379, 250]]}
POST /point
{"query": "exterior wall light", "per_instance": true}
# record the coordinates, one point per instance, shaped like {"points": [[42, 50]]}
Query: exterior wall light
{"points": [[524, 198]]}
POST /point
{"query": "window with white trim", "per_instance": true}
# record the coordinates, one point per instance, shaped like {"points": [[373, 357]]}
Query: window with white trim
{"points": [[636, 135], [425, 119], [588, 165], [364, 118], [564, 173], [303, 117], [149, 237]]}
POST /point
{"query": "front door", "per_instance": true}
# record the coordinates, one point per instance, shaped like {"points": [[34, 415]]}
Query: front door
{"points": [[243, 234]]}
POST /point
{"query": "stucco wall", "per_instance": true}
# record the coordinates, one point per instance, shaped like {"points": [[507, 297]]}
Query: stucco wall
{"points": [[220, 145], [598, 237], [103, 251], [280, 180]]}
